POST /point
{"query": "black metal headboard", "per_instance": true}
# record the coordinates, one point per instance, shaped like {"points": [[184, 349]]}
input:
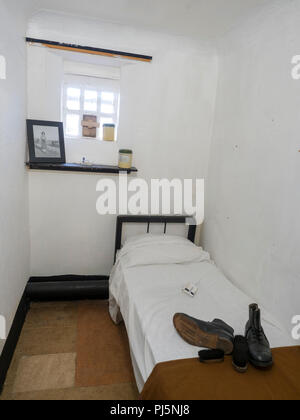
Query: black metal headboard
{"points": [[165, 220]]}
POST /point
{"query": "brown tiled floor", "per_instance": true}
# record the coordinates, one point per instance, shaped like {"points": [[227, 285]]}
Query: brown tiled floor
{"points": [[71, 351], [99, 339]]}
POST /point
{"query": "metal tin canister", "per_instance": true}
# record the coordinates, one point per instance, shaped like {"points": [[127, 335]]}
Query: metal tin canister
{"points": [[125, 158], [109, 132]]}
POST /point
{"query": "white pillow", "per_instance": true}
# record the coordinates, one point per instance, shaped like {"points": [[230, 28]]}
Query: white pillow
{"points": [[160, 249], [152, 238]]}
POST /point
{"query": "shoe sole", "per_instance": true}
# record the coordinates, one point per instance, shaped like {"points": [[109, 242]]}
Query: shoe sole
{"points": [[240, 369], [261, 365], [210, 362], [190, 331]]}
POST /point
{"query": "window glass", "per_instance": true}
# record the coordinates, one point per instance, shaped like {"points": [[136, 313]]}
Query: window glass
{"points": [[98, 98], [90, 100], [108, 97], [107, 109], [73, 99]]}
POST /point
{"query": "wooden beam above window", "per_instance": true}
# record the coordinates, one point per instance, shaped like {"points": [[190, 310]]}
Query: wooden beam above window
{"points": [[89, 50]]}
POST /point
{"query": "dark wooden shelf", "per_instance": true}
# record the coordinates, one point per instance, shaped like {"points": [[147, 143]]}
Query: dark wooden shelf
{"points": [[77, 167]]}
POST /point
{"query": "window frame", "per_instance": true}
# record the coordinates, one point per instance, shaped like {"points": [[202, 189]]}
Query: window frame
{"points": [[99, 85]]}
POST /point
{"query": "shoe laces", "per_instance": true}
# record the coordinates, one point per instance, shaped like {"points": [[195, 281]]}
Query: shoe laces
{"points": [[258, 333]]}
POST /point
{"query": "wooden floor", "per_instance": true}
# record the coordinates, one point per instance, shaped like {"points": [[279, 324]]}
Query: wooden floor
{"points": [[71, 351]]}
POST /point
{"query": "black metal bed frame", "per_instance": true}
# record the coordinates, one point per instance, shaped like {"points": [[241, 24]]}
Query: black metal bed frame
{"points": [[165, 220]]}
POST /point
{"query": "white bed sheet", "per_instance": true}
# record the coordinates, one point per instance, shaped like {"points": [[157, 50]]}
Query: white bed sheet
{"points": [[149, 296]]}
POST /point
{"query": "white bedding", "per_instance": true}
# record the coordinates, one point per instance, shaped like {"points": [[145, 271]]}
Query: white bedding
{"points": [[147, 291]]}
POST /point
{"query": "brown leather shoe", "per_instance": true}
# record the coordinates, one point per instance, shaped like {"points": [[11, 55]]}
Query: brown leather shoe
{"points": [[204, 334]]}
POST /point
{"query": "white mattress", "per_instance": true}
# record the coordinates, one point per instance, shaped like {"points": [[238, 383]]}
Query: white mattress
{"points": [[149, 296]]}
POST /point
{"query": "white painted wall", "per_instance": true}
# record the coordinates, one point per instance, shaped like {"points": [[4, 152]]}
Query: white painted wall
{"points": [[45, 76], [166, 118], [252, 223], [14, 229]]}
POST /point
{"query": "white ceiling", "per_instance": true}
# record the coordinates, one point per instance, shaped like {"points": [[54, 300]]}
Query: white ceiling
{"points": [[198, 18]]}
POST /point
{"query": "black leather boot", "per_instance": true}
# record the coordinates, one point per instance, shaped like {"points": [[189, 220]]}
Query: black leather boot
{"points": [[253, 307], [259, 347], [211, 335]]}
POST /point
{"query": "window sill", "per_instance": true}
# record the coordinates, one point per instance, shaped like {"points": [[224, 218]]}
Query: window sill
{"points": [[77, 167], [95, 140]]}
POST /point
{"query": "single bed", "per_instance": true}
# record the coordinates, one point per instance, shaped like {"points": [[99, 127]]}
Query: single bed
{"points": [[146, 291]]}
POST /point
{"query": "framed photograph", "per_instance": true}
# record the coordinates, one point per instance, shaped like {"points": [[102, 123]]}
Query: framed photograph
{"points": [[46, 142]]}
